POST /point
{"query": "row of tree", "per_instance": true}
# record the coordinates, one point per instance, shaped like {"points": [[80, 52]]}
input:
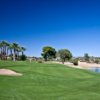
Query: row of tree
{"points": [[10, 50], [89, 59], [50, 53]]}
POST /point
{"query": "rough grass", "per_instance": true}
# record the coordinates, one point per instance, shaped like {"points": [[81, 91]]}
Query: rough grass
{"points": [[48, 82]]}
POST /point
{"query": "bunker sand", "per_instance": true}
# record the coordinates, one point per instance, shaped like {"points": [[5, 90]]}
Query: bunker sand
{"points": [[9, 72]]}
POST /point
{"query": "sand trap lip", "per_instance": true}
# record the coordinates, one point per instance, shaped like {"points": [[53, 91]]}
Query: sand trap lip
{"points": [[9, 72]]}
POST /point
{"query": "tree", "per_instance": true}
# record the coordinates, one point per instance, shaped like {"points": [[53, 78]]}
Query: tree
{"points": [[18, 50], [4, 50], [48, 53], [15, 47], [1, 50], [14, 50], [97, 60], [64, 54], [10, 48], [22, 50], [86, 57], [22, 57]]}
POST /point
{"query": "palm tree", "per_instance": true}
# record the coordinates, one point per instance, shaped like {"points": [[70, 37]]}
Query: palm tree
{"points": [[7, 49], [22, 50], [14, 50], [15, 47], [4, 49], [1, 50], [18, 50], [11, 50]]}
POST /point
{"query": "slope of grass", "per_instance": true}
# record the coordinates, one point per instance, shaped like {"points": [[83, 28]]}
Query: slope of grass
{"points": [[48, 82]]}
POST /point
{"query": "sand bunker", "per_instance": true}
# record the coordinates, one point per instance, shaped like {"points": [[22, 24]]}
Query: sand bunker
{"points": [[9, 72]]}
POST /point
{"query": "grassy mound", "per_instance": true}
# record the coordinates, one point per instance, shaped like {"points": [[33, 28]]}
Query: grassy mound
{"points": [[48, 82]]}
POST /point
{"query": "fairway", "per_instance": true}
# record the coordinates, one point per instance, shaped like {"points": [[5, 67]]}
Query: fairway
{"points": [[48, 82]]}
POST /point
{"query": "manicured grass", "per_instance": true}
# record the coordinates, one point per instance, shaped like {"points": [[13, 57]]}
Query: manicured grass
{"points": [[48, 82]]}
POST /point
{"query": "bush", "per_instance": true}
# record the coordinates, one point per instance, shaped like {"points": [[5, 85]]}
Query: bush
{"points": [[9, 58], [39, 61], [96, 61], [23, 57], [75, 62]]}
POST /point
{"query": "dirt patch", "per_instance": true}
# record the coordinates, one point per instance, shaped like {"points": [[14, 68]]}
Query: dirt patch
{"points": [[81, 65], [88, 65], [9, 72]]}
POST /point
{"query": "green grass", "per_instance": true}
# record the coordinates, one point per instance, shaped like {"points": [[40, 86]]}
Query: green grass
{"points": [[48, 82]]}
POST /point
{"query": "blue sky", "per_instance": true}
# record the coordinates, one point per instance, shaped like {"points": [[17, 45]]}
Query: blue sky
{"points": [[71, 24]]}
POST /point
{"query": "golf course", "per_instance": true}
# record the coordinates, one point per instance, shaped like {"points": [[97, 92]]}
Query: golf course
{"points": [[43, 81]]}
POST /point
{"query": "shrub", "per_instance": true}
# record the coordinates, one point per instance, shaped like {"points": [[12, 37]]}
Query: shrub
{"points": [[75, 62], [9, 58], [39, 61], [96, 61], [23, 57]]}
